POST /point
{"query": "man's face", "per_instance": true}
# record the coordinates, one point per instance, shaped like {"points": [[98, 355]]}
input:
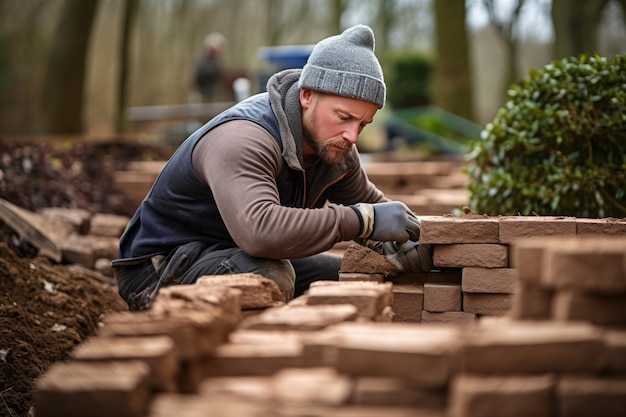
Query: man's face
{"points": [[331, 124]]}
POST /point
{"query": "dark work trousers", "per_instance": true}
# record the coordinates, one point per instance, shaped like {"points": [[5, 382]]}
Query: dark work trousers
{"points": [[139, 283]]}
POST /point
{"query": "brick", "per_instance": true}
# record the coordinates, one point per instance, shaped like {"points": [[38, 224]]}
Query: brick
{"points": [[442, 297], [68, 389], [513, 228], [198, 297], [489, 280], [194, 335], [408, 301], [598, 309], [449, 317], [582, 396], [473, 254], [85, 249], [315, 345], [181, 405], [446, 230], [221, 302], [249, 388], [105, 246], [259, 337], [508, 346], [531, 302], [511, 396], [604, 227], [424, 354], [78, 218], [315, 386], [156, 351], [361, 259], [355, 276], [616, 345], [369, 298], [246, 359], [373, 411], [308, 317], [77, 249], [487, 304], [256, 291], [387, 391], [591, 264], [527, 257], [112, 225]]}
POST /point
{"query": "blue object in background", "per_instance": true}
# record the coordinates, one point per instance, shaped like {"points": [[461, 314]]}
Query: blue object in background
{"points": [[280, 58], [288, 56]]}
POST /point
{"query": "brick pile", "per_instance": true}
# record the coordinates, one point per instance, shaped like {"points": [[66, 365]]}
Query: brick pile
{"points": [[428, 187], [76, 237], [475, 273], [336, 351]]}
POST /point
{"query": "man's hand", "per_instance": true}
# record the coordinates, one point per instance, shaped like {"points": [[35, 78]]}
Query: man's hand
{"points": [[389, 221], [410, 256]]}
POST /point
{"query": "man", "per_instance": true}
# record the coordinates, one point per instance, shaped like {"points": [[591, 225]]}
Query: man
{"points": [[271, 184], [209, 69]]}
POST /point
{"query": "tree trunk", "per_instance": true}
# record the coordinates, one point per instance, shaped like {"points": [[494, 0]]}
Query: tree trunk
{"points": [[63, 90], [130, 11], [453, 91], [575, 26], [337, 9], [386, 20]]}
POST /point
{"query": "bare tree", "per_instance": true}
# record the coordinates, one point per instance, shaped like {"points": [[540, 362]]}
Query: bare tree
{"points": [[63, 90], [507, 28], [130, 12], [575, 26]]}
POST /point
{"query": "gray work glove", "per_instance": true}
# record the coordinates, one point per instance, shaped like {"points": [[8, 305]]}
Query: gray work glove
{"points": [[409, 256], [388, 221]]}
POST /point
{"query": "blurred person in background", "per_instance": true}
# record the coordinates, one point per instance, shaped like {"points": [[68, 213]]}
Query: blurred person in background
{"points": [[209, 75]]}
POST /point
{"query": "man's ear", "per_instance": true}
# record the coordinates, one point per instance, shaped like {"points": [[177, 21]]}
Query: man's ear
{"points": [[306, 97]]}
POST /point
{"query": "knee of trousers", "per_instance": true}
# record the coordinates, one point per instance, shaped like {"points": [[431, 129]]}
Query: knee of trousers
{"points": [[282, 273]]}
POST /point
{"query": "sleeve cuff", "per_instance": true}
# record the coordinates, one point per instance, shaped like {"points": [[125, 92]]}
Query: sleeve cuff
{"points": [[366, 216]]}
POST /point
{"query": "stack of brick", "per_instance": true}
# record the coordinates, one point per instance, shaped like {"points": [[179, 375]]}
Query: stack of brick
{"points": [[563, 350], [430, 187], [139, 354], [334, 352], [473, 273], [95, 244]]}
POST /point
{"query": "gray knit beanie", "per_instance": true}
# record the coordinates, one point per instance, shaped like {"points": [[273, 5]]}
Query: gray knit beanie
{"points": [[345, 65]]}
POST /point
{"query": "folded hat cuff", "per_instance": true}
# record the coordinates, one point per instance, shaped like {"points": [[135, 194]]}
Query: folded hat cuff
{"points": [[341, 83]]}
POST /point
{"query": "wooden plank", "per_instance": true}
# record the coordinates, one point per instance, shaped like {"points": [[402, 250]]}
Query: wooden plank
{"points": [[46, 234]]}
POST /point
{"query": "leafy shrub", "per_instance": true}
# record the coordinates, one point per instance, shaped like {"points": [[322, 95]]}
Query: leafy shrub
{"points": [[558, 145], [410, 81]]}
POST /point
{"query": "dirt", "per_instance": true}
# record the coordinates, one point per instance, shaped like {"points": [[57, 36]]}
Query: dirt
{"points": [[47, 309]]}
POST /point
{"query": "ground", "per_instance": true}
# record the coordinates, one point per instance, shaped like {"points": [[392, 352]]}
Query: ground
{"points": [[47, 309]]}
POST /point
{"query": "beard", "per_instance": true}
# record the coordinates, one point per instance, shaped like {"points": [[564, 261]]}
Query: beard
{"points": [[324, 150]]}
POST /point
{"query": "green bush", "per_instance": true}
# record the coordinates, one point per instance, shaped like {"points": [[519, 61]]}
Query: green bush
{"points": [[558, 146], [410, 79]]}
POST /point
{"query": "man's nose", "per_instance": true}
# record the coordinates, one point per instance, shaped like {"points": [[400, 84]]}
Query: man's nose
{"points": [[351, 135]]}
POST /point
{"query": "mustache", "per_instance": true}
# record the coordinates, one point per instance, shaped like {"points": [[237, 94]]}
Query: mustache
{"points": [[339, 143]]}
